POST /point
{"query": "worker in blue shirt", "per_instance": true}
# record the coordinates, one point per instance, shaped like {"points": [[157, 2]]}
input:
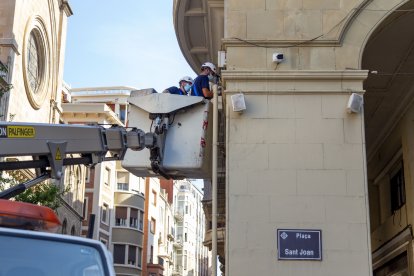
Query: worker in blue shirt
{"points": [[201, 86], [184, 89]]}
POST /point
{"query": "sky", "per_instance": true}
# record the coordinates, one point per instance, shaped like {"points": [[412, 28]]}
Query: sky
{"points": [[123, 43]]}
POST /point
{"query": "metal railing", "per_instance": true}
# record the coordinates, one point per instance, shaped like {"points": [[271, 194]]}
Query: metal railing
{"points": [[178, 270]]}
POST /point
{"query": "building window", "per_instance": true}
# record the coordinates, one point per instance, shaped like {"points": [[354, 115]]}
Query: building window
{"points": [[161, 216], [119, 253], [152, 226], [104, 242], [85, 208], [123, 186], [107, 176], [121, 216], [139, 257], [122, 113], [397, 185], [105, 213], [133, 218], [122, 181], [151, 255], [141, 220], [154, 198], [34, 64], [64, 226], [132, 255], [72, 231]]}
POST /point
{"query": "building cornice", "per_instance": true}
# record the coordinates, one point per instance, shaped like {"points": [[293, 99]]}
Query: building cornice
{"points": [[79, 110], [294, 81], [11, 43], [240, 42], [199, 28], [294, 75], [66, 8]]}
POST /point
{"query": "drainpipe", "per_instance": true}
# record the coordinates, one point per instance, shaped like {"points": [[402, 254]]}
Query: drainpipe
{"points": [[214, 183]]}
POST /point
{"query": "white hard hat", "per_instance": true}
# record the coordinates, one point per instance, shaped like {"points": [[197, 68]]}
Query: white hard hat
{"points": [[209, 65], [186, 79]]}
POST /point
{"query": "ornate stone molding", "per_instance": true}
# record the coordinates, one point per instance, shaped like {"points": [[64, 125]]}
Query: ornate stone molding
{"points": [[64, 5], [294, 74]]}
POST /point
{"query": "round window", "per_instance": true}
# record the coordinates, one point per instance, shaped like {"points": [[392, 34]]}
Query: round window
{"points": [[35, 62]]}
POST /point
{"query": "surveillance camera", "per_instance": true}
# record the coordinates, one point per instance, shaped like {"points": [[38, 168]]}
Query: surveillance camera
{"points": [[278, 57]]}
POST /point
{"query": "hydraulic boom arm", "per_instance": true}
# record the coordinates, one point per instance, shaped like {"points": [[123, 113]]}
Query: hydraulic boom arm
{"points": [[53, 146]]}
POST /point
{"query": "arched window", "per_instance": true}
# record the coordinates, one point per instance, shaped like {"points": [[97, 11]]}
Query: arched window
{"points": [[77, 182], [72, 231], [64, 226]]}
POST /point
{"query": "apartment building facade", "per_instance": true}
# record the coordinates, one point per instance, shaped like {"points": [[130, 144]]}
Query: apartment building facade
{"points": [[175, 231], [128, 231], [167, 226], [114, 200], [309, 164], [192, 256]]}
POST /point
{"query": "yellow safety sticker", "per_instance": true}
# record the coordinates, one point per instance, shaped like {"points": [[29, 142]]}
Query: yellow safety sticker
{"points": [[58, 155], [18, 132]]}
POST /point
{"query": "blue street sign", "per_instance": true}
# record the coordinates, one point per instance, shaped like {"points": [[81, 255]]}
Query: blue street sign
{"points": [[298, 244]]}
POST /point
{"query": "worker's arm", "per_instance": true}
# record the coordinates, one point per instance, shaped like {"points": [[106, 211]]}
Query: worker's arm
{"points": [[207, 93]]}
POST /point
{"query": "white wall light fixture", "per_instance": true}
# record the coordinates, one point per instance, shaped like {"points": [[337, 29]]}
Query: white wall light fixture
{"points": [[221, 61], [355, 103], [238, 102]]}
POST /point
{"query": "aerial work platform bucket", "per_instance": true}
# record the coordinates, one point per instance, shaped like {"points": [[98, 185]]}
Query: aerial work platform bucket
{"points": [[186, 140]]}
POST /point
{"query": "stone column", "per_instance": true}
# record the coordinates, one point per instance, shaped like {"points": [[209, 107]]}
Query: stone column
{"points": [[295, 160]]}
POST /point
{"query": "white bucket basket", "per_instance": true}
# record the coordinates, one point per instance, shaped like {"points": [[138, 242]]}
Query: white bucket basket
{"points": [[187, 149]]}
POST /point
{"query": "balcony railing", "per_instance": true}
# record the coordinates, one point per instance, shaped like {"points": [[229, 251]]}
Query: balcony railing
{"points": [[221, 236], [178, 243], [178, 270], [179, 214], [171, 234]]}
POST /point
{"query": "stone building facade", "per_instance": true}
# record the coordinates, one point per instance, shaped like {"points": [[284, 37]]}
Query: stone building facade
{"points": [[310, 164], [32, 47], [32, 50]]}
